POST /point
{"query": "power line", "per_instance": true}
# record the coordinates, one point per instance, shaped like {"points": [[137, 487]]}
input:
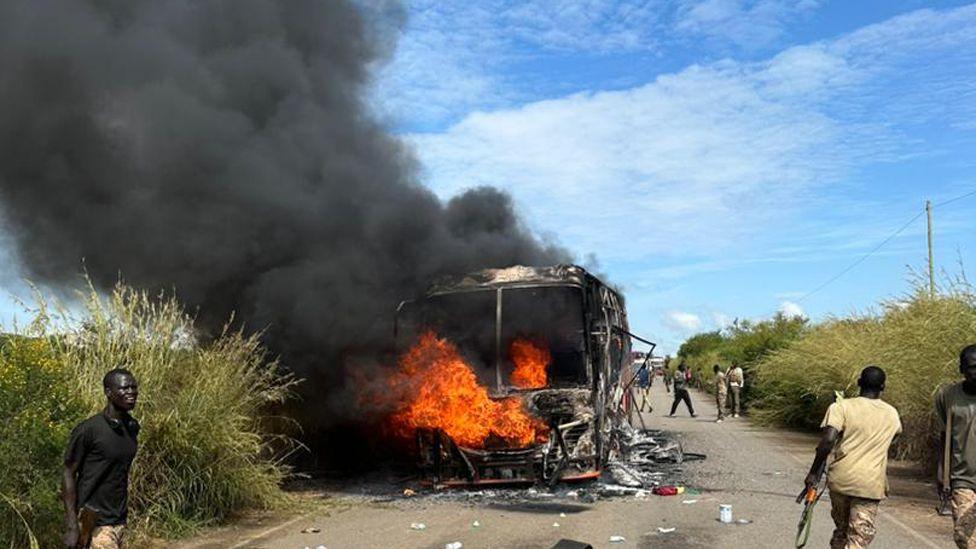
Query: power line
{"points": [[901, 229], [860, 260], [951, 200]]}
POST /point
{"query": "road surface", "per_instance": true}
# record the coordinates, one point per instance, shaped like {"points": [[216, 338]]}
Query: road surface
{"points": [[756, 470]]}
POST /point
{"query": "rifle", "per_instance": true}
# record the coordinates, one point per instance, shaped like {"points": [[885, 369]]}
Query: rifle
{"points": [[809, 498], [86, 525], [945, 501]]}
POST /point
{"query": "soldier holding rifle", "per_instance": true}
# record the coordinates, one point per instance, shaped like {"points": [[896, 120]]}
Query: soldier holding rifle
{"points": [[859, 432]]}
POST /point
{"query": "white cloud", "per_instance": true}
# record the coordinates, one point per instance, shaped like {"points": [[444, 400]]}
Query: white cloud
{"points": [[748, 24], [711, 158], [451, 55], [789, 308], [682, 322]]}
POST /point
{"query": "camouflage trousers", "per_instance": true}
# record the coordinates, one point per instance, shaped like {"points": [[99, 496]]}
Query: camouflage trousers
{"points": [[108, 537], [853, 521], [720, 402], [964, 517]]}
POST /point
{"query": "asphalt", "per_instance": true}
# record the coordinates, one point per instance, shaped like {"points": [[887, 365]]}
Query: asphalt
{"points": [[756, 470]]}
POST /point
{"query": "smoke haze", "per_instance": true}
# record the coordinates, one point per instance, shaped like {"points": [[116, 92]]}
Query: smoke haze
{"points": [[223, 149]]}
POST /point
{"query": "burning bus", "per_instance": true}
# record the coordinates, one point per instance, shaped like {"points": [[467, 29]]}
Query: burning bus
{"points": [[512, 375]]}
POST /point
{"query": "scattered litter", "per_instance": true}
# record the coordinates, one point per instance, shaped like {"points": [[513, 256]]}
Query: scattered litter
{"points": [[418, 526], [320, 547], [669, 490], [617, 539], [665, 530], [408, 493], [572, 494], [562, 515], [743, 521], [475, 524], [725, 513], [640, 494], [555, 525], [689, 501], [311, 530], [454, 545]]}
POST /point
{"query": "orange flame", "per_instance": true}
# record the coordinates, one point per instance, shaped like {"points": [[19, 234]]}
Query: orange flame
{"points": [[531, 360], [443, 393]]}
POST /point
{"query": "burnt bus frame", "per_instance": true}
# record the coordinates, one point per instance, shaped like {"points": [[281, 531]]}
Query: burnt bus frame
{"points": [[604, 328]]}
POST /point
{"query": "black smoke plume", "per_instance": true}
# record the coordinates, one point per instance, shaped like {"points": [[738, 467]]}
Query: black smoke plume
{"points": [[223, 149]]}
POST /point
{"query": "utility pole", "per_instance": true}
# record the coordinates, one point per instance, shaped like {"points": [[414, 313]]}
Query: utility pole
{"points": [[928, 214]]}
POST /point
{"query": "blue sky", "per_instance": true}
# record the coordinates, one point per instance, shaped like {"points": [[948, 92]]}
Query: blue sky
{"points": [[721, 158]]}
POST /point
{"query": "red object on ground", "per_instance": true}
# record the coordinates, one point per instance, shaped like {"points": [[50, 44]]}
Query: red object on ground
{"points": [[665, 491]]}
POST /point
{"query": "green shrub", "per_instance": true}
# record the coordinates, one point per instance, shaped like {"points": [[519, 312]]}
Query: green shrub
{"points": [[204, 449]]}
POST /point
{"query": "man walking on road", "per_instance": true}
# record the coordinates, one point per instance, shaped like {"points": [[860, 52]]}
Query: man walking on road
{"points": [[857, 476], [721, 388], [96, 466], [682, 378], [956, 404], [736, 383]]}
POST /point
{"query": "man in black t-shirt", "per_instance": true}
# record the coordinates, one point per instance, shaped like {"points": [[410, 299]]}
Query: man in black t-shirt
{"points": [[96, 465]]}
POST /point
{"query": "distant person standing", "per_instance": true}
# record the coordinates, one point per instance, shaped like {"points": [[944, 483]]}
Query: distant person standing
{"points": [[737, 382], [859, 431], [643, 386], [96, 466], [956, 404], [682, 379], [721, 392]]}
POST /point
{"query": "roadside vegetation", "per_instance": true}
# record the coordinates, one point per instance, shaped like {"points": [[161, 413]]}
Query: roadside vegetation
{"points": [[205, 449], [794, 369]]}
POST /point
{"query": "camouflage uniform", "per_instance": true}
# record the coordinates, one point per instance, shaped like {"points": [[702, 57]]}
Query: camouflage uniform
{"points": [[853, 521], [108, 537], [964, 517], [721, 393]]}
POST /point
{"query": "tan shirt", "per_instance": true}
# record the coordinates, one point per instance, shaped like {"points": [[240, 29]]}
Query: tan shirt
{"points": [[867, 427], [720, 385], [736, 378]]}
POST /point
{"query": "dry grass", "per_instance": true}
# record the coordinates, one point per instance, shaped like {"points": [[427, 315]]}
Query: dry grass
{"points": [[204, 450], [916, 340]]}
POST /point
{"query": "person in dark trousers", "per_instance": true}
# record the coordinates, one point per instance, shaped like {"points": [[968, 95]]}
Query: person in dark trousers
{"points": [[859, 432], [721, 392], [682, 378], [956, 405], [643, 383], [96, 466]]}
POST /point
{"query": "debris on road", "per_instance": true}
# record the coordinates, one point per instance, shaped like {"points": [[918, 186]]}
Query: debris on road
{"points": [[454, 545], [668, 490], [617, 539], [665, 530], [418, 526], [311, 530], [475, 524], [555, 525], [743, 521], [689, 501], [408, 493]]}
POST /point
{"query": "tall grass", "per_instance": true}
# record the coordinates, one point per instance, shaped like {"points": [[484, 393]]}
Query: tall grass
{"points": [[205, 450], [916, 340]]}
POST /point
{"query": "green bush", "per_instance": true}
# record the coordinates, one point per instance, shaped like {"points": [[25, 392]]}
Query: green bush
{"points": [[744, 342], [204, 449]]}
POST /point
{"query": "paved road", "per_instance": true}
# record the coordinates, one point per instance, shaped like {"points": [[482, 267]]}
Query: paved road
{"points": [[757, 471]]}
